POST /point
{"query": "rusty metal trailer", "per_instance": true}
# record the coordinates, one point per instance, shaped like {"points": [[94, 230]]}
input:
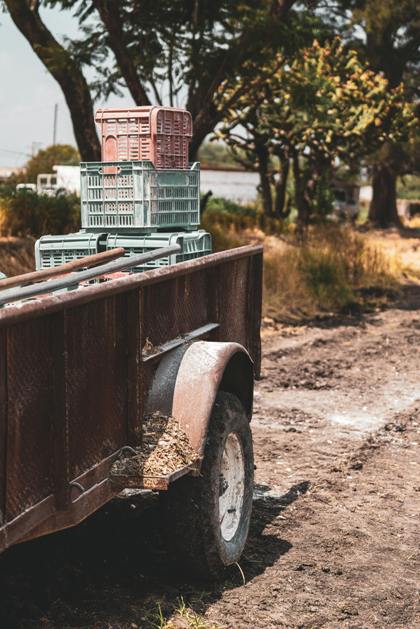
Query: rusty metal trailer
{"points": [[80, 369]]}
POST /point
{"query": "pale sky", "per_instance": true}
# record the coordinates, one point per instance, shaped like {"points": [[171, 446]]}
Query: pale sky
{"points": [[28, 92]]}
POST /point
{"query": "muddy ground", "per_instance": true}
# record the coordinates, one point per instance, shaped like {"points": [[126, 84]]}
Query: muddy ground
{"points": [[335, 530]]}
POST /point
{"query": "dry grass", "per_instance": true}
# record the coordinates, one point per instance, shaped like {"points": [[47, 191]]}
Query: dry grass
{"points": [[336, 270], [332, 272], [403, 252], [16, 255], [183, 617]]}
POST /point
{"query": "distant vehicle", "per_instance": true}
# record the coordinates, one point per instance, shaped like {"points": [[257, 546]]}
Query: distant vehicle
{"points": [[65, 180], [46, 183], [345, 204], [26, 186]]}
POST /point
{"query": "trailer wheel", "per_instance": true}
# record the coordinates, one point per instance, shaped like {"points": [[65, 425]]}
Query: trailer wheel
{"points": [[207, 518]]}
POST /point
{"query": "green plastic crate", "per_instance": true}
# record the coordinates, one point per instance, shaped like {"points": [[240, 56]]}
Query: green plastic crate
{"points": [[135, 196], [52, 251], [193, 245]]}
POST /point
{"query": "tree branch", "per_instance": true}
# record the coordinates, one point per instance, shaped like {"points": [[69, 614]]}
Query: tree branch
{"points": [[109, 13], [208, 114], [64, 69]]}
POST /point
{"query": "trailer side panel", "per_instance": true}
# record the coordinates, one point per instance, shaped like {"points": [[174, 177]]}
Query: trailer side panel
{"points": [[76, 369]]}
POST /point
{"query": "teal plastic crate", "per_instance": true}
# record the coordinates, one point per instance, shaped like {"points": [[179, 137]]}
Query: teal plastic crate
{"points": [[193, 245], [52, 251], [134, 196]]}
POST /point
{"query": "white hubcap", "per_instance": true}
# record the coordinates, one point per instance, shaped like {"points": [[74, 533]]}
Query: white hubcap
{"points": [[232, 484]]}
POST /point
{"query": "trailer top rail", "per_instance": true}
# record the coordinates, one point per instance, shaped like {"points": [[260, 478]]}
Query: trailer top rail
{"points": [[45, 274], [60, 301], [72, 280]]}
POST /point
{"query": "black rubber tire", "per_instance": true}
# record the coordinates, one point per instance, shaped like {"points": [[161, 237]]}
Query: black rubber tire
{"points": [[191, 504]]}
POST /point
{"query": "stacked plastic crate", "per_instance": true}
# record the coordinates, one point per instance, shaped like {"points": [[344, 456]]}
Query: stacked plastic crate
{"points": [[142, 195]]}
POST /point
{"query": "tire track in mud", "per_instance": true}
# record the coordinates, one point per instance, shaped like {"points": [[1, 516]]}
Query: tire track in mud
{"points": [[336, 430], [340, 549]]}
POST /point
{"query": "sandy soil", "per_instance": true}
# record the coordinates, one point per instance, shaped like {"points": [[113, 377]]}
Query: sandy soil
{"points": [[335, 531]]}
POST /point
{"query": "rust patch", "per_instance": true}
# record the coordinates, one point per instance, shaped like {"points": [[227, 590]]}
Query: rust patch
{"points": [[200, 374]]}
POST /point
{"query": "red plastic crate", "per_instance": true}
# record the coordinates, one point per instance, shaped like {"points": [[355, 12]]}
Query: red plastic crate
{"points": [[158, 134]]}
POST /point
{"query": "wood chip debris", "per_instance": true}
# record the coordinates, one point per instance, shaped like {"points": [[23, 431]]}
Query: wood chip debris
{"points": [[165, 450]]}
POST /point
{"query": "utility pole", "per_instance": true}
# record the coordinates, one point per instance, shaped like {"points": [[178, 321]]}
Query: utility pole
{"points": [[55, 124]]}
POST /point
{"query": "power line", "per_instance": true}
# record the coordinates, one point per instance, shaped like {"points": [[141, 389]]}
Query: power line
{"points": [[15, 152]]}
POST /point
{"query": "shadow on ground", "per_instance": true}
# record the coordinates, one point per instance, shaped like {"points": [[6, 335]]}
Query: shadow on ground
{"points": [[402, 297], [113, 570]]}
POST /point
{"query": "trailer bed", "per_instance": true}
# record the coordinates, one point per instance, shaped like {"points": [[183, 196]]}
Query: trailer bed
{"points": [[76, 368]]}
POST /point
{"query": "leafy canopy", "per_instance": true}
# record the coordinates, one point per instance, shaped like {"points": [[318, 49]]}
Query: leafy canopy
{"points": [[45, 159], [323, 104]]}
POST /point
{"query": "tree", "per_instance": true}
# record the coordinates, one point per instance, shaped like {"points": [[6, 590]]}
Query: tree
{"points": [[167, 52], [66, 70], [322, 107], [45, 159], [387, 33]]}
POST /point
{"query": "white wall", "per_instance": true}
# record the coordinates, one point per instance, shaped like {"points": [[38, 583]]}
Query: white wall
{"points": [[236, 186]]}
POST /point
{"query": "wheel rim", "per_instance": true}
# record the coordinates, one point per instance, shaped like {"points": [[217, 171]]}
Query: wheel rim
{"points": [[232, 485]]}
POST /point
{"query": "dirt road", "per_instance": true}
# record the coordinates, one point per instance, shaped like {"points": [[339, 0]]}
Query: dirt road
{"points": [[335, 532]]}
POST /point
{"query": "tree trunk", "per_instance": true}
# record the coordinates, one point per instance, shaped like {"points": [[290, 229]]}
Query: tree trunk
{"points": [[200, 102], [265, 186], [110, 16], [204, 123], [383, 207], [303, 207], [64, 69], [281, 210]]}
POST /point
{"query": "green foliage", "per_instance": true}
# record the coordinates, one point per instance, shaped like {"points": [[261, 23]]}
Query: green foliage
{"points": [[409, 187], [45, 159], [231, 223], [186, 50], [322, 105], [225, 206], [28, 214], [387, 35]]}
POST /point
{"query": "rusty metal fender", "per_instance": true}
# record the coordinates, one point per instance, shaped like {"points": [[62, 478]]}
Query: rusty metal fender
{"points": [[188, 379]]}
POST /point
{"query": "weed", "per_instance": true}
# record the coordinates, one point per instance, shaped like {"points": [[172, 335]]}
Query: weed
{"points": [[182, 617], [231, 223], [16, 255], [28, 214], [329, 272]]}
